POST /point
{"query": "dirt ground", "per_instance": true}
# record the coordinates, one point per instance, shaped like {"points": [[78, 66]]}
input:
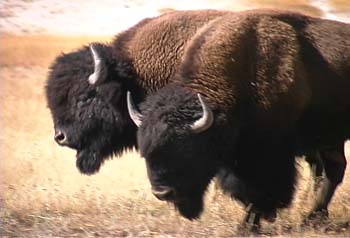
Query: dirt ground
{"points": [[43, 194]]}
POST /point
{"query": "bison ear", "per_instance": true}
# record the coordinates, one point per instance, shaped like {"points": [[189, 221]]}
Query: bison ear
{"points": [[100, 71]]}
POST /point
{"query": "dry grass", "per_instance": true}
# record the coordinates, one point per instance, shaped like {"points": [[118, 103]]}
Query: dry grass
{"points": [[44, 195], [302, 6], [39, 50], [340, 5]]}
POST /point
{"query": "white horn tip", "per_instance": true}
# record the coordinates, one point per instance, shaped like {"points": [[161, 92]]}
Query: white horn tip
{"points": [[206, 120], [92, 48], [135, 115], [92, 79]]}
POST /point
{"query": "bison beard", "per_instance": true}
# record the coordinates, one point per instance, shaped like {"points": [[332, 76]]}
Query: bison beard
{"points": [[191, 208], [88, 162]]}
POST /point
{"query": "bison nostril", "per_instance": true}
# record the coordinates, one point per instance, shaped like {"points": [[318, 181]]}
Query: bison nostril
{"points": [[60, 137], [164, 193]]}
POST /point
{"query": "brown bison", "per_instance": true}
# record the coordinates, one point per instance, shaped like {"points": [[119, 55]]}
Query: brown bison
{"points": [[254, 90]]}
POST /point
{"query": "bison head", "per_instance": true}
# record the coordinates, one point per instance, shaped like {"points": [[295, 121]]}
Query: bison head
{"points": [[89, 116], [175, 138]]}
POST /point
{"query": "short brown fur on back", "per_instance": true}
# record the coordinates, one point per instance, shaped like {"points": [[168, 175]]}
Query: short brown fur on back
{"points": [[156, 46]]}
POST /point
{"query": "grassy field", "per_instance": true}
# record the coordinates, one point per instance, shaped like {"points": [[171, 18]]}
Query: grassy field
{"points": [[43, 194]]}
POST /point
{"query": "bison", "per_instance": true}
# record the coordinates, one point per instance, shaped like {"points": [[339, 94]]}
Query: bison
{"points": [[86, 88], [254, 90], [90, 117]]}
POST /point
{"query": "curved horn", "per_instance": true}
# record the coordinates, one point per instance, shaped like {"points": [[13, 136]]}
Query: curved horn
{"points": [[205, 121], [98, 66], [134, 113]]}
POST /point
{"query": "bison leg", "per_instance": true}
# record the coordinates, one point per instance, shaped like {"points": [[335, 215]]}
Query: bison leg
{"points": [[254, 216], [316, 164], [252, 219], [238, 190], [334, 165]]}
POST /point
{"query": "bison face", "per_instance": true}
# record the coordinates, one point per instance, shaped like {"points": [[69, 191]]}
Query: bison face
{"points": [[92, 119], [173, 137]]}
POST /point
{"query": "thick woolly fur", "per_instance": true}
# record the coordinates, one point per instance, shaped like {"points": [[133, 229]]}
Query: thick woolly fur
{"points": [[85, 113], [278, 84], [141, 60]]}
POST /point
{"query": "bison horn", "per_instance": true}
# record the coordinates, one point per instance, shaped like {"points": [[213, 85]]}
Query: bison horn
{"points": [[98, 66], [205, 121], [134, 113]]}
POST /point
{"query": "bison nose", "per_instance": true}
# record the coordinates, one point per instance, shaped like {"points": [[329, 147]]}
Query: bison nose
{"points": [[164, 193], [60, 137]]}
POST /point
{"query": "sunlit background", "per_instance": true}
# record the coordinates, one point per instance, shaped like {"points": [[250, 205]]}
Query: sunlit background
{"points": [[107, 17], [43, 194]]}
